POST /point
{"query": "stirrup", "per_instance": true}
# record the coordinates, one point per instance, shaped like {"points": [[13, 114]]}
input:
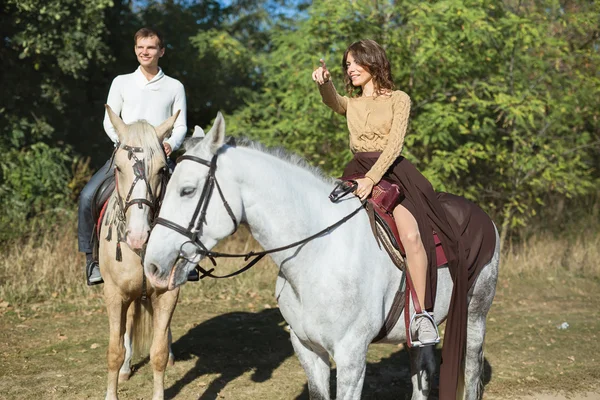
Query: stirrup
{"points": [[88, 273], [419, 343]]}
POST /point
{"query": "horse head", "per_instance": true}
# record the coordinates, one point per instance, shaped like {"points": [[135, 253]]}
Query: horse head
{"points": [[140, 168], [202, 205]]}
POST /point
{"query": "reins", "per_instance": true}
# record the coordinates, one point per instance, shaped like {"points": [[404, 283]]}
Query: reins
{"points": [[194, 229]]}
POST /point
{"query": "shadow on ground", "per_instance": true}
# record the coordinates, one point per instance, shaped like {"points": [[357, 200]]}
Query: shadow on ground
{"points": [[390, 379], [231, 345], [235, 343]]}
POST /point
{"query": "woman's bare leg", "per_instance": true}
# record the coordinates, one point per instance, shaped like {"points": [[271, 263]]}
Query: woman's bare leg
{"points": [[416, 257], [416, 260]]}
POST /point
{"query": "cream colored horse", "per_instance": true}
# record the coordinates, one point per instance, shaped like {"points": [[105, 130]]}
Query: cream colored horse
{"points": [[136, 311]]}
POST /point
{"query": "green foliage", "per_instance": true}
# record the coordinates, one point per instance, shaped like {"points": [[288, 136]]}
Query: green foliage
{"points": [[33, 184], [504, 97], [48, 47], [46, 44], [505, 106], [506, 111], [287, 112]]}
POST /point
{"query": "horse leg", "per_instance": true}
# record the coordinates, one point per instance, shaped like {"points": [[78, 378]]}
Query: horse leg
{"points": [[171, 361], [125, 371], [422, 368], [163, 305], [317, 368], [117, 314], [351, 364], [479, 305]]}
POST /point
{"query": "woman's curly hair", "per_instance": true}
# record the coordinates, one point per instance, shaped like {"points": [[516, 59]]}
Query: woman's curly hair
{"points": [[371, 56]]}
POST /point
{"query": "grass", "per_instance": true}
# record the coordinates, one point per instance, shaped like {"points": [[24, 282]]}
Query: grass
{"points": [[46, 266], [230, 340]]}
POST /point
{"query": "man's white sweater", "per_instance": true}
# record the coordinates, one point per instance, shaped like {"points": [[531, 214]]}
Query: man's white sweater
{"points": [[134, 98]]}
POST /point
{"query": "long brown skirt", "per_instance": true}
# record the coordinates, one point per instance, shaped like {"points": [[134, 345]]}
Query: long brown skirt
{"points": [[468, 238]]}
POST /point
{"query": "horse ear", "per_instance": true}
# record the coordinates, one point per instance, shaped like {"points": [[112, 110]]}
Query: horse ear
{"points": [[217, 134], [166, 126], [116, 121], [198, 132]]}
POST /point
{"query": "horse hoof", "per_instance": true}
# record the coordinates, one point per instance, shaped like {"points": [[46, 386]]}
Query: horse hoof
{"points": [[124, 376], [171, 360]]}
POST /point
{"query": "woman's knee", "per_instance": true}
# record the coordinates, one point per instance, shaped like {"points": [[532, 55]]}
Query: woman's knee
{"points": [[411, 240]]}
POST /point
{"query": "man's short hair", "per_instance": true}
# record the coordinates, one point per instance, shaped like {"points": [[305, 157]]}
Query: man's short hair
{"points": [[148, 32]]}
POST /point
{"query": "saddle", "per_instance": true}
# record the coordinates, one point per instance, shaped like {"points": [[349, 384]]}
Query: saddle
{"points": [[380, 207], [102, 195]]}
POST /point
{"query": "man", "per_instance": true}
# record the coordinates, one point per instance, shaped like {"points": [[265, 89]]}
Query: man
{"points": [[146, 94]]}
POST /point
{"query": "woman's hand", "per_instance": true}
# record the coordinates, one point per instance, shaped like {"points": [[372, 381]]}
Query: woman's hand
{"points": [[364, 188], [321, 74]]}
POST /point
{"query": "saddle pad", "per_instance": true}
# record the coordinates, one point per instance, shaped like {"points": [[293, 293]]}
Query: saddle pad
{"points": [[100, 217]]}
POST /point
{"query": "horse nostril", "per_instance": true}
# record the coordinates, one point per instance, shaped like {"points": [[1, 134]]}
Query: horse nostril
{"points": [[153, 270]]}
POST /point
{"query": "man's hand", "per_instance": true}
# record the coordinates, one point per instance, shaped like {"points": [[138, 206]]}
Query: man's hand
{"points": [[167, 148], [321, 74], [364, 188]]}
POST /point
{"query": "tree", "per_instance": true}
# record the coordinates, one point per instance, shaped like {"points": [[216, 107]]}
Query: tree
{"points": [[504, 97], [47, 45], [287, 111], [505, 107]]}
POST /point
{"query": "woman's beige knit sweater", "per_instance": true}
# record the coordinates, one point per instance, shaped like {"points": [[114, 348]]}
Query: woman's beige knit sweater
{"points": [[375, 124]]}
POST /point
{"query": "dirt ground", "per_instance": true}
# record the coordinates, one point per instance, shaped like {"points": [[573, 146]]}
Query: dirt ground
{"points": [[236, 347], [577, 396]]}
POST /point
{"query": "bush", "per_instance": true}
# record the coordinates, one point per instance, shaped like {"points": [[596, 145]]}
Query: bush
{"points": [[34, 184]]}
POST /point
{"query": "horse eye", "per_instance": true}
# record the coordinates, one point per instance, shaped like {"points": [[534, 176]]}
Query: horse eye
{"points": [[187, 191]]}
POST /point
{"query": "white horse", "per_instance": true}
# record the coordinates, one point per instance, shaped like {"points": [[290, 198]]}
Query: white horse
{"points": [[334, 291]]}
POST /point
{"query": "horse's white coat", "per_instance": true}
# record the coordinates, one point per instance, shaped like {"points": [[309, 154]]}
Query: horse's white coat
{"points": [[334, 291]]}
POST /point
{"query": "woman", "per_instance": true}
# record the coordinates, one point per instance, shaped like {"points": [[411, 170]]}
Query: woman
{"points": [[377, 120]]}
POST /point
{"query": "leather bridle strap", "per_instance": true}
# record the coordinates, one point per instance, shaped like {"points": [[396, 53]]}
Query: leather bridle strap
{"points": [[206, 192], [200, 216], [201, 249], [139, 171]]}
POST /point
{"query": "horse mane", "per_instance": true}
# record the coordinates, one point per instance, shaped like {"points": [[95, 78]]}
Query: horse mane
{"points": [[142, 134], [277, 152]]}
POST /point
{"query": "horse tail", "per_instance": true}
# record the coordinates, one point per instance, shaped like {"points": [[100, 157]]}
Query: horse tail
{"points": [[141, 334]]}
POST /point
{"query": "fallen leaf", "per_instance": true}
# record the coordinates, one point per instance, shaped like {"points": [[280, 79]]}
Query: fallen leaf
{"points": [[94, 346]]}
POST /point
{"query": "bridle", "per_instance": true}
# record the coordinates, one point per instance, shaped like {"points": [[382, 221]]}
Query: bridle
{"points": [[139, 172], [194, 228]]}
